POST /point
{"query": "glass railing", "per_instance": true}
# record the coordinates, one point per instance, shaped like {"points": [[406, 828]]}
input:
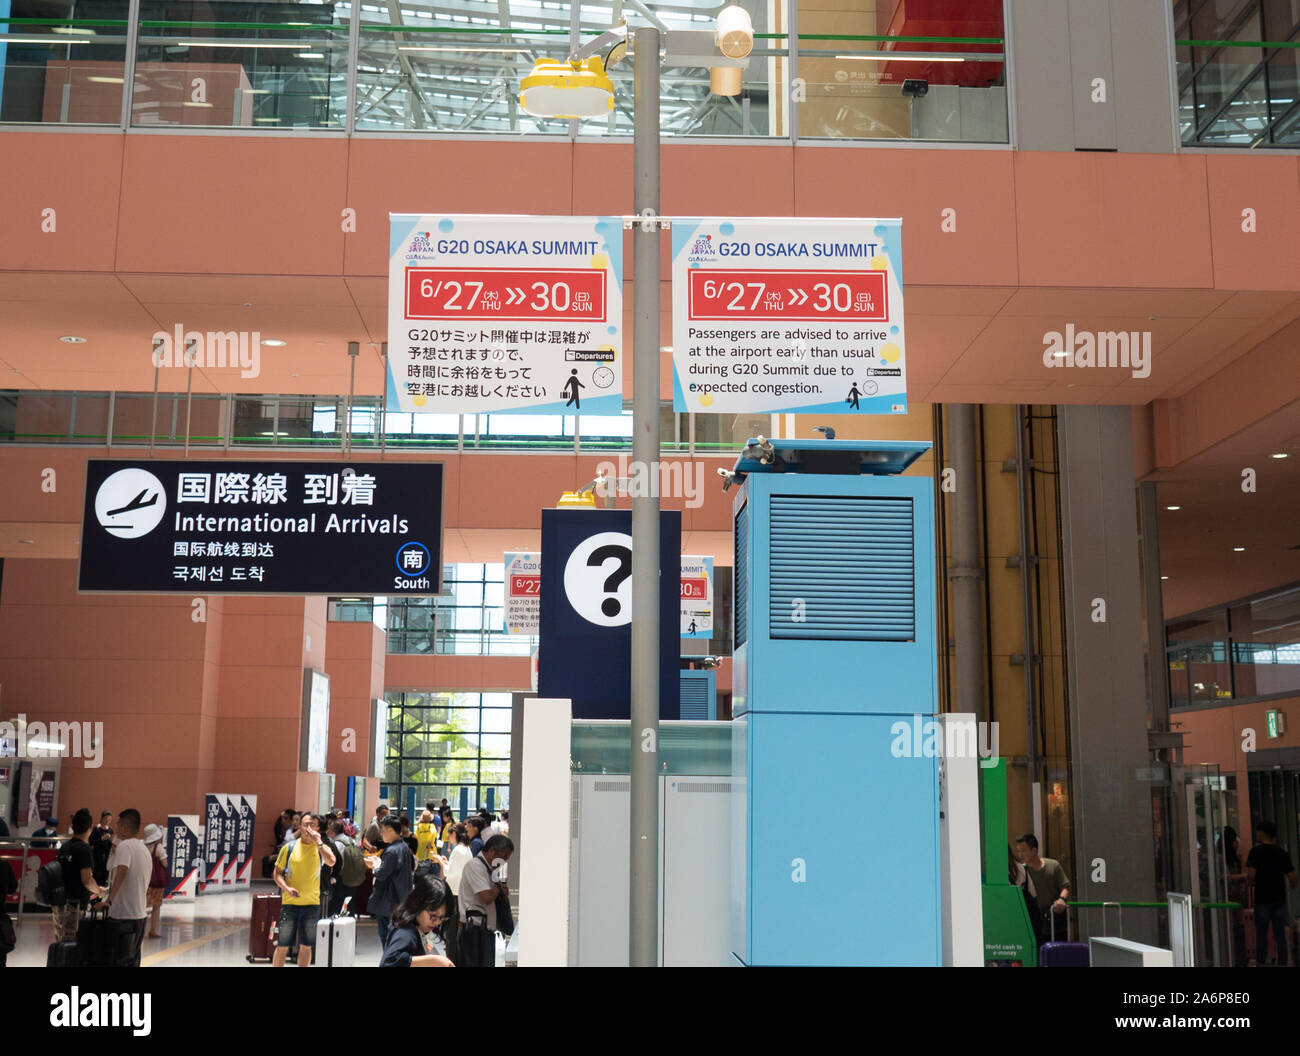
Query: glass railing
{"points": [[205, 420], [455, 67], [1238, 72]]}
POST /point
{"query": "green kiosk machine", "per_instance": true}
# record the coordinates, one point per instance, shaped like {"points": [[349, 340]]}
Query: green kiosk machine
{"points": [[1008, 936]]}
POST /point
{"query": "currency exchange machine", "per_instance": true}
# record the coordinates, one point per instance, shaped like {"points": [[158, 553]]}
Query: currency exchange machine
{"points": [[835, 810]]}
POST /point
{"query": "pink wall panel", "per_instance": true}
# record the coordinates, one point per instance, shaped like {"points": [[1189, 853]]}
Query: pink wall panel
{"points": [[918, 185], [224, 205], [1269, 257], [449, 176], [1137, 219], [77, 176]]}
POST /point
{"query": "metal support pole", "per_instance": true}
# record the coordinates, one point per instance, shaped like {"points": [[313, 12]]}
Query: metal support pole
{"points": [[1158, 671], [643, 915], [383, 404], [965, 570], [1031, 653], [354, 349]]}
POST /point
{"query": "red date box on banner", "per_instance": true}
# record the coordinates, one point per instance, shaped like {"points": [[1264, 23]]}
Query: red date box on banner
{"points": [[717, 294], [509, 294]]}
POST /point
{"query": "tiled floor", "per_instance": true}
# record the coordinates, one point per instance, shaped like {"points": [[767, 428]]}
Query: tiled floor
{"points": [[209, 932]]}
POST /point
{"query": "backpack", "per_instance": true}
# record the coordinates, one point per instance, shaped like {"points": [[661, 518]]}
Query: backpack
{"points": [[51, 888], [352, 871]]}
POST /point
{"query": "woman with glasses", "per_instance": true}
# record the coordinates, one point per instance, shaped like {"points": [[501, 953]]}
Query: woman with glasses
{"points": [[413, 933]]}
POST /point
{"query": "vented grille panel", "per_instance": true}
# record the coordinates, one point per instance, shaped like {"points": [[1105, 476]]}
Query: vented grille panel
{"points": [[842, 569], [703, 786], [695, 694], [741, 576]]}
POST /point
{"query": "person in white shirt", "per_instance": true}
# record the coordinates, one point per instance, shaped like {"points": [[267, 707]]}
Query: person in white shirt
{"points": [[458, 853], [478, 889], [129, 868]]}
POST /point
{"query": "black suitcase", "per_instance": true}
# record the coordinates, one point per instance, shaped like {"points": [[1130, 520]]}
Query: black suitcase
{"points": [[62, 955], [102, 942]]}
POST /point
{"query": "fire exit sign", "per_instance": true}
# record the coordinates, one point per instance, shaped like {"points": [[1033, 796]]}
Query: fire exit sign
{"points": [[1276, 723]]}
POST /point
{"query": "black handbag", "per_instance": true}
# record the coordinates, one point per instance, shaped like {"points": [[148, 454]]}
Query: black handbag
{"points": [[477, 947], [505, 918]]}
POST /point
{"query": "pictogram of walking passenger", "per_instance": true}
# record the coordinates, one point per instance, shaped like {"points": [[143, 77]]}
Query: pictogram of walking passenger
{"points": [[571, 388], [854, 393]]}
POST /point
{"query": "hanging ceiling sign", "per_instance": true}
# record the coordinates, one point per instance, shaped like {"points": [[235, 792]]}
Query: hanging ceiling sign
{"points": [[505, 313], [161, 526], [797, 315]]}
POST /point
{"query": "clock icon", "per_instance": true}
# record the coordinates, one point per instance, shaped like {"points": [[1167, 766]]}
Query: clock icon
{"points": [[602, 377], [870, 388]]}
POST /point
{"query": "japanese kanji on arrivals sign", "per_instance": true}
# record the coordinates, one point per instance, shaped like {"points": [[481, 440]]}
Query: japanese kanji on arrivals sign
{"points": [[523, 577], [228, 527], [505, 313], [799, 315]]}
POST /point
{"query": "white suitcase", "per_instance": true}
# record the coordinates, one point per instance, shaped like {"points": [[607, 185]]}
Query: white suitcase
{"points": [[336, 942]]}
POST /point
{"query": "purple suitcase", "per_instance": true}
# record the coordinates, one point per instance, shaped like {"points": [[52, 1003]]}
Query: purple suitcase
{"points": [[1063, 954]]}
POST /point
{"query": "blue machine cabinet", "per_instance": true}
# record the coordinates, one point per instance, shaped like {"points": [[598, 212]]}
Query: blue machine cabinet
{"points": [[835, 831]]}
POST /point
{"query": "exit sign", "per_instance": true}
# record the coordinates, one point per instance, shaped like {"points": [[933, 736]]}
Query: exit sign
{"points": [[1276, 723]]}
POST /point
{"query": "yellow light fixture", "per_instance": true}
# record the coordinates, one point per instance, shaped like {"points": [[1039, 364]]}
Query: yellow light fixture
{"points": [[563, 89], [576, 500]]}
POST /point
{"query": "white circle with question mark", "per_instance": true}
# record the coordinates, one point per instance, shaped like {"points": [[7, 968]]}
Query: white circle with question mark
{"points": [[598, 579]]}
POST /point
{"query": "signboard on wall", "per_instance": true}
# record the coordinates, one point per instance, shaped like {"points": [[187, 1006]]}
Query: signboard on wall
{"points": [[245, 811], [799, 316], [214, 863], [315, 720], [523, 589], [161, 526], [585, 646], [184, 860], [505, 313], [697, 596]]}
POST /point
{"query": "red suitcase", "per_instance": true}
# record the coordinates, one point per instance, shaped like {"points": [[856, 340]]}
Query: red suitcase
{"points": [[264, 925]]}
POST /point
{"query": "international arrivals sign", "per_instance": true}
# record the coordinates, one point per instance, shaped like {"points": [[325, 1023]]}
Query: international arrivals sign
{"points": [[788, 315], [493, 314], [162, 526]]}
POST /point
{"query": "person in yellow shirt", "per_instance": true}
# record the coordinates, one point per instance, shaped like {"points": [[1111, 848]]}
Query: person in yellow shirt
{"points": [[297, 874], [426, 839], [448, 822]]}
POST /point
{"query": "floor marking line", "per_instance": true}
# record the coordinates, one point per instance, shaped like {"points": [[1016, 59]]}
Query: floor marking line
{"points": [[192, 944]]}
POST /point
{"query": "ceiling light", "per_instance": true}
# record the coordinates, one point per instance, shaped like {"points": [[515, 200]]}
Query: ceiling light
{"points": [[73, 30], [106, 80], [1279, 454], [44, 40], [560, 89], [239, 44], [1173, 508], [310, 55], [1164, 577], [464, 51], [273, 342], [1238, 549], [189, 102], [886, 56], [73, 340], [29, 542]]}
